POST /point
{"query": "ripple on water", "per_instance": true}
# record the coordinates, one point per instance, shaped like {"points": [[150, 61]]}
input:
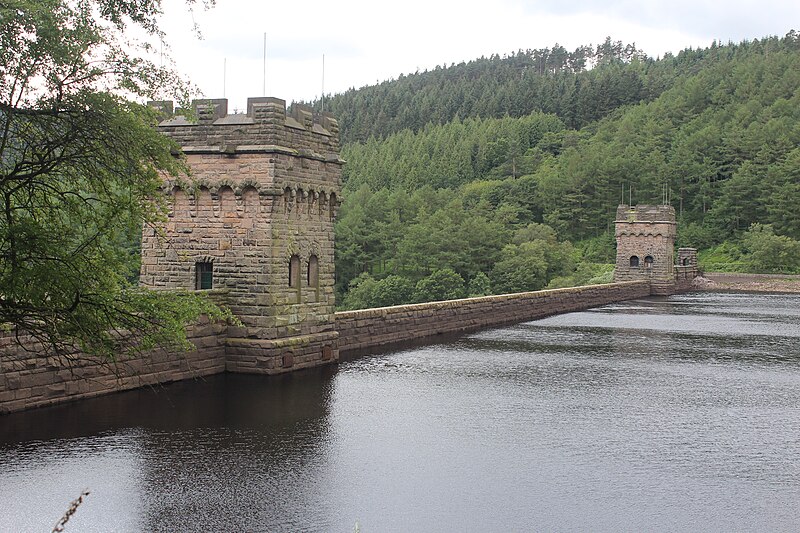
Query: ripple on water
{"points": [[656, 414]]}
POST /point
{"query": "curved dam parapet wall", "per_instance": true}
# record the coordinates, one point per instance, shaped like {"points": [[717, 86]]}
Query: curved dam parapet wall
{"points": [[28, 378], [370, 329]]}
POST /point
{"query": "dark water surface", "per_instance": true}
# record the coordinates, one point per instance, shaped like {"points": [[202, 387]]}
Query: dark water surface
{"points": [[657, 414]]}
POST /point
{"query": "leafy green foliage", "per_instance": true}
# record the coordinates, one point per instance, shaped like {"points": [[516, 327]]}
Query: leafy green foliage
{"points": [[769, 253], [366, 292], [479, 285], [601, 249], [725, 257], [696, 235], [79, 168], [521, 268], [529, 266], [450, 155], [585, 274], [362, 293], [442, 284], [549, 80]]}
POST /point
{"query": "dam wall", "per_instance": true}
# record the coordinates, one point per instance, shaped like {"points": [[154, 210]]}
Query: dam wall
{"points": [[29, 378], [370, 329]]}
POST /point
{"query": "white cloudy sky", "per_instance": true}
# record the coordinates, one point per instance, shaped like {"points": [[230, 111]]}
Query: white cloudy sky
{"points": [[369, 41]]}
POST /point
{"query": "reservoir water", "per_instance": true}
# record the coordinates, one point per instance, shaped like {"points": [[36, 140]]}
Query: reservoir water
{"points": [[659, 414]]}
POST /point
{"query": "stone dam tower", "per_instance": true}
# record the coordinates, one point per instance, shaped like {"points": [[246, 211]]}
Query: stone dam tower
{"points": [[646, 249], [253, 224], [645, 245]]}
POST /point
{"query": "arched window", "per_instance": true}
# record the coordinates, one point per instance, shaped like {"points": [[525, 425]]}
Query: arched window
{"points": [[250, 199], [648, 261], [634, 261], [685, 261], [312, 277], [294, 271], [227, 202], [332, 206]]}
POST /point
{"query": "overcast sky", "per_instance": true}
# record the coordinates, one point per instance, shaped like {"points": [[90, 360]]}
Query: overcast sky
{"points": [[368, 42]]}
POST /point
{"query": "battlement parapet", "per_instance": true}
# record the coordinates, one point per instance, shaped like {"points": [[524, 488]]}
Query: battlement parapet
{"points": [[646, 221], [646, 213], [265, 127]]}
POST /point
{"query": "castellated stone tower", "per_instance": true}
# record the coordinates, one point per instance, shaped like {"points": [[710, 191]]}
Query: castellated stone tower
{"points": [[253, 223], [645, 246]]}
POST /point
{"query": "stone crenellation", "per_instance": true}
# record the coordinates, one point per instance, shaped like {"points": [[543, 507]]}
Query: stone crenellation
{"points": [[266, 126]]}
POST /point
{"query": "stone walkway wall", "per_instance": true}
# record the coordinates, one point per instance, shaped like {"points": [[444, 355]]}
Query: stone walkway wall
{"points": [[368, 329]]}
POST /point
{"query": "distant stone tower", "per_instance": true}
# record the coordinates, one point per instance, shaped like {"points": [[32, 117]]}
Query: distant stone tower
{"points": [[645, 246], [253, 224]]}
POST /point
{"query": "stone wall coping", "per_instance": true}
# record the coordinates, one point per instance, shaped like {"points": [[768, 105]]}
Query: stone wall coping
{"points": [[444, 304]]}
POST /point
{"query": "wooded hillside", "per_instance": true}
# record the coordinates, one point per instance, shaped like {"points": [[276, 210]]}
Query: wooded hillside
{"points": [[482, 173]]}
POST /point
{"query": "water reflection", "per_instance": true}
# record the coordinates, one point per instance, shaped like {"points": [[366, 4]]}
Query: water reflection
{"points": [[657, 414], [183, 457]]}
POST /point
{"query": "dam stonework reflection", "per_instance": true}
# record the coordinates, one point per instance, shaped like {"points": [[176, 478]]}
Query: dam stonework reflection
{"points": [[253, 226]]}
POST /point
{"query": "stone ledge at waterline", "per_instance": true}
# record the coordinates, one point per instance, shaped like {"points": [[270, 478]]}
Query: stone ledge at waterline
{"points": [[29, 378], [367, 329]]}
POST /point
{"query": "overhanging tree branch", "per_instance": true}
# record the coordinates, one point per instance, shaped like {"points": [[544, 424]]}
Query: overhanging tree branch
{"points": [[79, 168]]}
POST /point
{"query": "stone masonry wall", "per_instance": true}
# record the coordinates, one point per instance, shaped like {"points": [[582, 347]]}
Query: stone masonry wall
{"points": [[29, 379], [645, 237], [259, 207], [686, 269], [369, 329]]}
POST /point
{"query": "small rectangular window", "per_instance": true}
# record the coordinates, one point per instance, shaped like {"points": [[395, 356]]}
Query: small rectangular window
{"points": [[204, 276]]}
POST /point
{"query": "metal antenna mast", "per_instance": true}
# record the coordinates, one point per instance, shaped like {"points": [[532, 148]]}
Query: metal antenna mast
{"points": [[264, 77]]}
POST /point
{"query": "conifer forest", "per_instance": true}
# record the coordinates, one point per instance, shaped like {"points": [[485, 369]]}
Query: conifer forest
{"points": [[503, 174]]}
